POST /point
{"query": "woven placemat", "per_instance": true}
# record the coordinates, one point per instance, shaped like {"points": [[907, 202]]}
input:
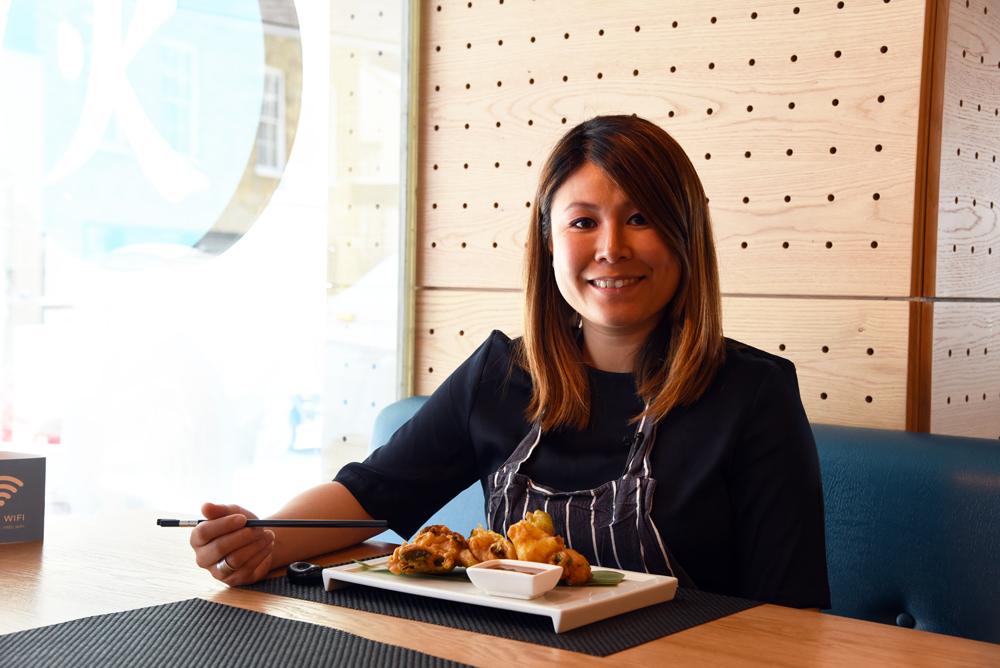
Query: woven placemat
{"points": [[196, 632], [689, 608]]}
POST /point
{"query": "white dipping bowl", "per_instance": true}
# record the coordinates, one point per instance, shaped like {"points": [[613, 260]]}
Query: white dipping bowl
{"points": [[514, 578]]}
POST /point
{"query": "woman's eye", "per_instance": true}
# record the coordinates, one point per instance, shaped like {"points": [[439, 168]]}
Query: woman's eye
{"points": [[637, 219], [582, 223]]}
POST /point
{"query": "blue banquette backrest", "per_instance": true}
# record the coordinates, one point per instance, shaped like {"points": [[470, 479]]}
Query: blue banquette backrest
{"points": [[912, 524]]}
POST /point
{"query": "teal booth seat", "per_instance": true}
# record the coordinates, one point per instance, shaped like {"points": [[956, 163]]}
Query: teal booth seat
{"points": [[912, 524]]}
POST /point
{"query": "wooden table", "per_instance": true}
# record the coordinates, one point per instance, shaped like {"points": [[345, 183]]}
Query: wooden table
{"points": [[89, 567]]}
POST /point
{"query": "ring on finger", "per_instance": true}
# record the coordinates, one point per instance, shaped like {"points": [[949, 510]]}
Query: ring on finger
{"points": [[224, 568]]}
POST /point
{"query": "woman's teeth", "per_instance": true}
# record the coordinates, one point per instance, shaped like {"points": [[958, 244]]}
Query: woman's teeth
{"points": [[614, 283]]}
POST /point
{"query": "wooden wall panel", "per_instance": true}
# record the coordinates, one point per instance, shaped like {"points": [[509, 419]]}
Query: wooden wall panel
{"points": [[451, 324], [500, 83], [968, 248], [850, 354], [965, 385], [802, 119], [966, 369]]}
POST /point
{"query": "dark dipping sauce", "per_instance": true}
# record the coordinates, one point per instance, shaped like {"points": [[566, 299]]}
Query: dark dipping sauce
{"points": [[527, 570]]}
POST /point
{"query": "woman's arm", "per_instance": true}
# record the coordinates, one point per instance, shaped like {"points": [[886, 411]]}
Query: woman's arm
{"points": [[778, 496], [330, 500], [237, 554]]}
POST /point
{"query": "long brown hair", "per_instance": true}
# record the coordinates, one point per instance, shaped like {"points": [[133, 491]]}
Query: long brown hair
{"points": [[682, 355]]}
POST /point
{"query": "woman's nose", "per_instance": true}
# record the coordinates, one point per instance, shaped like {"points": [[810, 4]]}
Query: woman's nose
{"points": [[612, 244]]}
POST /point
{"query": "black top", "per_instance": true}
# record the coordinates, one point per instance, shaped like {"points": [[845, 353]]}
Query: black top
{"points": [[738, 498]]}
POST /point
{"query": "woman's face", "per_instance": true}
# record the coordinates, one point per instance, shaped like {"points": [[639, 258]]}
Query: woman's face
{"points": [[610, 264]]}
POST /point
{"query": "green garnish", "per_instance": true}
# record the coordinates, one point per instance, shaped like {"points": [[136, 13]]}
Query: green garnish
{"points": [[605, 578], [369, 567]]}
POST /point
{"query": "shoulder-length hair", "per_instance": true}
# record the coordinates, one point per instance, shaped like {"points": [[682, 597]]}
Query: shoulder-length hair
{"points": [[681, 357]]}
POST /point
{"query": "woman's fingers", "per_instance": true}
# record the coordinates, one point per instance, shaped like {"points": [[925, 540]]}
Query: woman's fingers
{"points": [[213, 511], [212, 552], [241, 557], [253, 567]]}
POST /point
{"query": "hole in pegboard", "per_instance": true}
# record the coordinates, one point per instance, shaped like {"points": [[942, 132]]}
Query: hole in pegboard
{"points": [[781, 347], [823, 396]]}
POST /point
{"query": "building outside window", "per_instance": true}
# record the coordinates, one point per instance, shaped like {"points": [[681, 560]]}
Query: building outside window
{"points": [[271, 132]]}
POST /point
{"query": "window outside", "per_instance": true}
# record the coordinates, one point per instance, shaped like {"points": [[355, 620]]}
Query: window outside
{"points": [[199, 221]]}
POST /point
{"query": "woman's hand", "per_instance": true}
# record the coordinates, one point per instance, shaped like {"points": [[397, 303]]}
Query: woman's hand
{"points": [[231, 552]]}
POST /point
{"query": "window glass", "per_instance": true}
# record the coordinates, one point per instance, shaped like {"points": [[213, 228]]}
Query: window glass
{"points": [[199, 220]]}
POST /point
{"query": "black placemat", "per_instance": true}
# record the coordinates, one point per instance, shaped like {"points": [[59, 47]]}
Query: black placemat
{"points": [[689, 608], [196, 632]]}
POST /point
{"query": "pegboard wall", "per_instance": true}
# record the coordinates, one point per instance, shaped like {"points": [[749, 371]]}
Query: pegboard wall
{"points": [[803, 119], [965, 397]]}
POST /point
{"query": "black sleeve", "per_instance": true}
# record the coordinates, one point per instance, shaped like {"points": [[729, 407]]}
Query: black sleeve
{"points": [[428, 460], [778, 498]]}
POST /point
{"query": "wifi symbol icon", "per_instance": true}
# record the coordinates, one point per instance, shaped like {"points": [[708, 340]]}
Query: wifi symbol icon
{"points": [[9, 486]]}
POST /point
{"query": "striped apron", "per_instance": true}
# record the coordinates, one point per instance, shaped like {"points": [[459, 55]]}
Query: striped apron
{"points": [[610, 524]]}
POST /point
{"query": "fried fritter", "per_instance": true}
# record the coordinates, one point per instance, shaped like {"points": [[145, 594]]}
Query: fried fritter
{"points": [[576, 568], [486, 545], [534, 540], [435, 549], [413, 558]]}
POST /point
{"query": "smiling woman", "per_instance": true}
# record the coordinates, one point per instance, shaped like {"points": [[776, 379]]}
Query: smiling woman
{"points": [[654, 444], [611, 265], [619, 201]]}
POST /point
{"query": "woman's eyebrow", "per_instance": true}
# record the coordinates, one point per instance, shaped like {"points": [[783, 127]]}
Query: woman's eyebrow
{"points": [[596, 207], [582, 205]]}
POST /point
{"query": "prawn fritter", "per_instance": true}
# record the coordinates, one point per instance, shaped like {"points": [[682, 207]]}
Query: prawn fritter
{"points": [[486, 545], [576, 568], [532, 542], [436, 549]]}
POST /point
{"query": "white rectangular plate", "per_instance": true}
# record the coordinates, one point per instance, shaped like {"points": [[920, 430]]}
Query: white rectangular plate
{"points": [[568, 607]]}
